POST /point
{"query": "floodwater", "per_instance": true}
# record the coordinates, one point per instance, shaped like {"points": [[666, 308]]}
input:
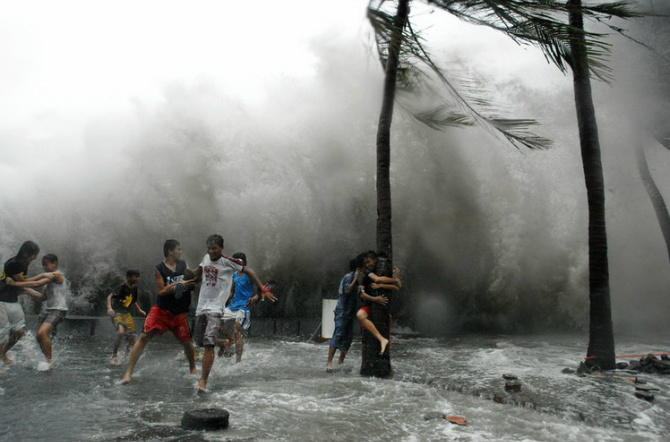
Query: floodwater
{"points": [[281, 392]]}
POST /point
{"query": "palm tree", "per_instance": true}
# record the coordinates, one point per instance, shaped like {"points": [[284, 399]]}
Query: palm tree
{"points": [[408, 64], [384, 240], [601, 336], [656, 32], [372, 365], [653, 191]]}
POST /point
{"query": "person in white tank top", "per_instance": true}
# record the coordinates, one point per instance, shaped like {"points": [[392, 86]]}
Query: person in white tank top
{"points": [[54, 294]]}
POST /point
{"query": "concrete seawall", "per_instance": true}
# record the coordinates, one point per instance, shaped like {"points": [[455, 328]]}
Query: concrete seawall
{"points": [[94, 325]]}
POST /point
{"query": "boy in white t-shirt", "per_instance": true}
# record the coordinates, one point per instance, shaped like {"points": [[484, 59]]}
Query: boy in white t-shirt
{"points": [[216, 272]]}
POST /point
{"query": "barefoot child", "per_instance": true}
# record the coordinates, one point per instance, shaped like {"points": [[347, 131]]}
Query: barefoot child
{"points": [[344, 313], [119, 303], [216, 272], [239, 310], [56, 305], [169, 311], [370, 283]]}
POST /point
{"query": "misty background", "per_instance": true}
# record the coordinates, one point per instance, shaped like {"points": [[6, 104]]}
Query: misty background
{"points": [[123, 124]]}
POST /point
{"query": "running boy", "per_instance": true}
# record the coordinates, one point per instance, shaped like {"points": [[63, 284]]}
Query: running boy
{"points": [[119, 303], [241, 298], [169, 311], [216, 272], [369, 284]]}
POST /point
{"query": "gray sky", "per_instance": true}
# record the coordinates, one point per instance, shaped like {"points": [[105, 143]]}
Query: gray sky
{"points": [[74, 57], [77, 56]]}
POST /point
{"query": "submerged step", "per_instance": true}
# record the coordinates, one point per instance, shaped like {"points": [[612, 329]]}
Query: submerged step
{"points": [[205, 419]]}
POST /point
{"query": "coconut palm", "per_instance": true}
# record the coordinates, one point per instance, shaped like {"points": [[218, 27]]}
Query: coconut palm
{"points": [[601, 336], [372, 364]]}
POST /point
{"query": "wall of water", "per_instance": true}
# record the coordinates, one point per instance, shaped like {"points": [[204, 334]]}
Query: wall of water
{"points": [[488, 237]]}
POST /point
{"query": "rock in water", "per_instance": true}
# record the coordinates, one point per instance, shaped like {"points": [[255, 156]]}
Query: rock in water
{"points": [[205, 419], [513, 386], [510, 377], [634, 365], [434, 415], [644, 395], [583, 369]]}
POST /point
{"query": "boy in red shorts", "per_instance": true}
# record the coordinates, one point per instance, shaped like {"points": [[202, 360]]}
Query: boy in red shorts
{"points": [[172, 304], [370, 282]]}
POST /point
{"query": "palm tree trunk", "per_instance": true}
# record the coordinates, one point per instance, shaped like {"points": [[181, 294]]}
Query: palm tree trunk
{"points": [[372, 364], [654, 195], [601, 337], [384, 227]]}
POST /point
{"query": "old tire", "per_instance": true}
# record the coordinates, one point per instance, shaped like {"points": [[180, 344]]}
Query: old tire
{"points": [[206, 419]]}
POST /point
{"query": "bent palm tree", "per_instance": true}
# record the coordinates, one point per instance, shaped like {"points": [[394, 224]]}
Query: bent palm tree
{"points": [[373, 364], [654, 193]]}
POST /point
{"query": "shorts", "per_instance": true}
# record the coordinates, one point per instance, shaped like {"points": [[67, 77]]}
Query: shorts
{"points": [[12, 319], [160, 320], [344, 332], [206, 329], [125, 321], [53, 317], [366, 309], [243, 317]]}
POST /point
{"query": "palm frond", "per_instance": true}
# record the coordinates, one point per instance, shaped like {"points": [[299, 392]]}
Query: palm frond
{"points": [[543, 23], [460, 106], [621, 9], [442, 117]]}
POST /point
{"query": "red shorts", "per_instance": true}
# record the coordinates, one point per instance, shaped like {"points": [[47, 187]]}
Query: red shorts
{"points": [[160, 320], [366, 309]]}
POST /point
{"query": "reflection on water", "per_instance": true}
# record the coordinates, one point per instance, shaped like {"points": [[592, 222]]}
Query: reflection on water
{"points": [[281, 393]]}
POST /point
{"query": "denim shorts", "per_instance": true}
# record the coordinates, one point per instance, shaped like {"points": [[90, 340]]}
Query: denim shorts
{"points": [[344, 332]]}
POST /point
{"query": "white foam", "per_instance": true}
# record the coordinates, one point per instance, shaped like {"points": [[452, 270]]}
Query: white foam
{"points": [[43, 366]]}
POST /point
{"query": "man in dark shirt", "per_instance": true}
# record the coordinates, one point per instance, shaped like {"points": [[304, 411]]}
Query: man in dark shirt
{"points": [[12, 283], [169, 311], [370, 282]]}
